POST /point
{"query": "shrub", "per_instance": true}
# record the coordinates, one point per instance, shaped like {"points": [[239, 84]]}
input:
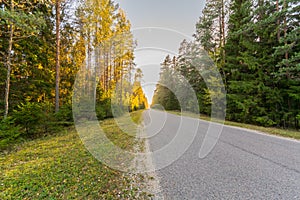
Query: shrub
{"points": [[48, 118], [100, 111], [83, 108], [264, 121], [64, 114], [29, 117], [9, 133]]}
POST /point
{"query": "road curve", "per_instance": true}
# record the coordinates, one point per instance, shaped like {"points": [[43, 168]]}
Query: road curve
{"points": [[243, 165]]}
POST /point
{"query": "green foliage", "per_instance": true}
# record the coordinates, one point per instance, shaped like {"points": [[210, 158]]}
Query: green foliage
{"points": [[29, 23], [164, 93], [101, 111], [264, 121], [258, 91], [60, 167], [108, 32], [31, 120], [9, 133], [181, 85], [106, 109], [165, 98], [64, 114], [29, 116], [32, 44], [260, 65], [38, 119], [33, 75]]}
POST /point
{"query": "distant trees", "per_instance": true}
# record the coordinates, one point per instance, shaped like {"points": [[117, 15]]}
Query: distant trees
{"points": [[255, 45], [165, 89], [57, 58], [38, 69], [109, 55], [17, 24], [138, 99], [44, 43]]}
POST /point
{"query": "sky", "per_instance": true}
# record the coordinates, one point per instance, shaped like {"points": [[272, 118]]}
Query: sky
{"points": [[159, 26]]}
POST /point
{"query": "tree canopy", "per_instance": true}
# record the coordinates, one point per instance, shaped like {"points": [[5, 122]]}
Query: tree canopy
{"points": [[255, 45]]}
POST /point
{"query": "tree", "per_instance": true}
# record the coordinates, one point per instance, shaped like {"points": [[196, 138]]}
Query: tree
{"points": [[138, 99], [166, 88], [260, 92], [8, 62], [57, 59], [288, 67], [109, 52], [239, 76], [19, 24], [258, 58], [210, 30]]}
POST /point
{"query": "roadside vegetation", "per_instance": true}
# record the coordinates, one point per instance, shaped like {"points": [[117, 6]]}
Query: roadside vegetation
{"points": [[59, 167], [45, 43], [43, 46], [290, 133], [254, 48]]}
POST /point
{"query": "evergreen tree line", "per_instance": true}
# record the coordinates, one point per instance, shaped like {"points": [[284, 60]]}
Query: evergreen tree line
{"points": [[93, 37], [255, 45]]}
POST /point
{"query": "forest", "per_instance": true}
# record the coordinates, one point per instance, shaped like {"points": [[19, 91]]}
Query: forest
{"points": [[255, 46], [59, 58], [44, 44]]}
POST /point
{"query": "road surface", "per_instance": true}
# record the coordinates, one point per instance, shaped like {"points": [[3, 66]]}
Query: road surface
{"points": [[243, 165]]}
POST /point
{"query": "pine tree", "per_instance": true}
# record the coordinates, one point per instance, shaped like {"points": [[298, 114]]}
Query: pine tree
{"points": [[19, 21], [166, 88], [288, 67], [138, 99], [239, 75], [57, 59]]}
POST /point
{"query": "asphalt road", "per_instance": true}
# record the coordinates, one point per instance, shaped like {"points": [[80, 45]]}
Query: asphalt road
{"points": [[243, 165]]}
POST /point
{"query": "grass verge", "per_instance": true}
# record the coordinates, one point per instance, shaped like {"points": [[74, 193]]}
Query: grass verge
{"points": [[59, 167], [270, 130]]}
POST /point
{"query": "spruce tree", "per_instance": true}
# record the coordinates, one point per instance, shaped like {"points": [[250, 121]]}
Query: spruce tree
{"points": [[239, 77], [288, 67]]}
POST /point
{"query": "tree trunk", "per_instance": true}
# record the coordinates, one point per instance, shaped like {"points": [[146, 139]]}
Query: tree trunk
{"points": [[89, 66], [57, 79], [8, 64], [285, 29], [110, 65], [222, 39], [223, 30], [121, 87], [278, 21], [106, 70]]}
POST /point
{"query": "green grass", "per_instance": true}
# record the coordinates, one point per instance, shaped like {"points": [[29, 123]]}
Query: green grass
{"points": [[59, 167], [270, 130]]}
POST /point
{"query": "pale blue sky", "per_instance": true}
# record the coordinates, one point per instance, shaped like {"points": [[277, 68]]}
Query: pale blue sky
{"points": [[180, 15], [159, 26]]}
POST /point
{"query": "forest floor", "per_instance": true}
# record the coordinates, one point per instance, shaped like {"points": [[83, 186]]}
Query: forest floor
{"points": [[60, 167], [289, 133]]}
